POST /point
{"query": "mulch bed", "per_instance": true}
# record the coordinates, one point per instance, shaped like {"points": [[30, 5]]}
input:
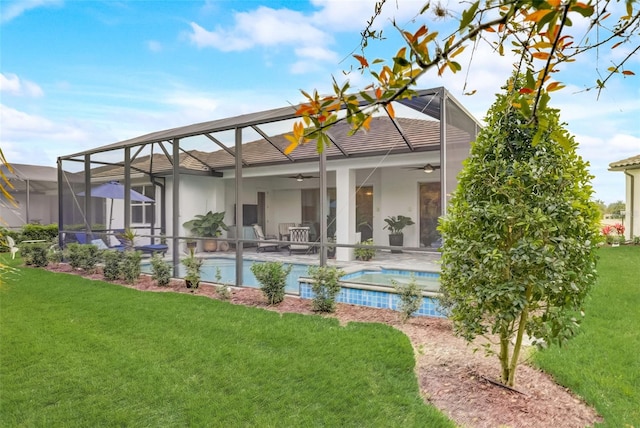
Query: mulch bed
{"points": [[452, 377]]}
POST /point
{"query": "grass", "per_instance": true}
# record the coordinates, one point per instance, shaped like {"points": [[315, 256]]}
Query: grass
{"points": [[77, 352], [603, 363]]}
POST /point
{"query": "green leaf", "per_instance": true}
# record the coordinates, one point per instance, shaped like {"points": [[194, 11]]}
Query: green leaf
{"points": [[467, 15], [402, 62]]}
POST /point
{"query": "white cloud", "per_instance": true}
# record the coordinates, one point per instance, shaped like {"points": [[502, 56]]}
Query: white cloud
{"points": [[13, 85], [154, 46], [350, 16], [17, 8], [316, 53], [264, 27], [33, 139], [18, 125]]}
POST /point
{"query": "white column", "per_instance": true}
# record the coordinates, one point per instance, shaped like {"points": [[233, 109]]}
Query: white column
{"points": [[345, 212]]}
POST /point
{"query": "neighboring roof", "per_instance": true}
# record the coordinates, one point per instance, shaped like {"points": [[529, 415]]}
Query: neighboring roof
{"points": [[31, 172], [41, 179], [629, 163]]}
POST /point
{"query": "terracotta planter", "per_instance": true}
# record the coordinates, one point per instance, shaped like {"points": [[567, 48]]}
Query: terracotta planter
{"points": [[210, 245]]}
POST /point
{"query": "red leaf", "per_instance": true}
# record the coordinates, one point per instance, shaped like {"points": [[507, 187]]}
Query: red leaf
{"points": [[363, 61]]}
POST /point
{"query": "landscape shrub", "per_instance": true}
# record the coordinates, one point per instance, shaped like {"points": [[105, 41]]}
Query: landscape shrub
{"points": [[193, 265], [131, 266], [47, 232], [161, 270], [223, 288], [112, 264], [325, 288], [35, 254], [83, 256], [273, 279], [410, 295], [55, 255]]}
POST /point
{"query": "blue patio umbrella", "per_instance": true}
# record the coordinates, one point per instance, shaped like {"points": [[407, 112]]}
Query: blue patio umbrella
{"points": [[114, 190]]}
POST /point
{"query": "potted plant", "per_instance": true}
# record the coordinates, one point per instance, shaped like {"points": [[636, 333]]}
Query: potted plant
{"points": [[364, 253], [395, 226], [209, 225], [193, 265]]}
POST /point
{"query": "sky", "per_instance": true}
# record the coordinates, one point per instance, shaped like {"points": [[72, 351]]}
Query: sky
{"points": [[76, 75]]}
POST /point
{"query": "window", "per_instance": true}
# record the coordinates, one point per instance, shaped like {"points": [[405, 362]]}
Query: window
{"points": [[143, 212], [430, 211]]}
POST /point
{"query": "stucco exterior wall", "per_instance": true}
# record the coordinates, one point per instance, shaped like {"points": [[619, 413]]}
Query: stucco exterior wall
{"points": [[632, 209]]}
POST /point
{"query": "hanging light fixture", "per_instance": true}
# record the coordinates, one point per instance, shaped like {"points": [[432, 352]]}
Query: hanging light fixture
{"points": [[428, 169], [301, 177]]}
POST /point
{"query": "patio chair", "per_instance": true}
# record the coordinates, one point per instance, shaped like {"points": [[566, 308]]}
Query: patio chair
{"points": [[299, 239], [12, 247], [265, 242], [283, 230]]}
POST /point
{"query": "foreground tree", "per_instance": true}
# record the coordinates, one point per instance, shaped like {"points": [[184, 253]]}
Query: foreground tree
{"points": [[7, 197], [520, 235], [519, 257], [539, 35]]}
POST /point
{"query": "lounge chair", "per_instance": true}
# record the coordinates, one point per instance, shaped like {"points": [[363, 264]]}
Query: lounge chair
{"points": [[153, 248], [265, 242], [12, 247], [81, 237], [299, 239]]}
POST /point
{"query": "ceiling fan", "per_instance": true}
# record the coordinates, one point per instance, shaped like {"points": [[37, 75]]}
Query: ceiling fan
{"points": [[427, 169], [301, 177]]}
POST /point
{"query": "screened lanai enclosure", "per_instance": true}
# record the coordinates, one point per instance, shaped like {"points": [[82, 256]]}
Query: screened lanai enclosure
{"points": [[405, 165]]}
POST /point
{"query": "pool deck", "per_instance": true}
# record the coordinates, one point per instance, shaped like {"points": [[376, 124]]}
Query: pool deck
{"points": [[416, 261]]}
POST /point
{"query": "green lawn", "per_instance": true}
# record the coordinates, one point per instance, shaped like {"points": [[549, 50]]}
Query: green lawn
{"points": [[603, 363], [76, 352]]}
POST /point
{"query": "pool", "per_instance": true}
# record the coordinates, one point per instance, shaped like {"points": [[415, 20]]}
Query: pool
{"points": [[428, 281], [227, 268], [371, 288]]}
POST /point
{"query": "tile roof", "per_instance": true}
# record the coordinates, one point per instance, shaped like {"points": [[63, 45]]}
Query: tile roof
{"points": [[382, 138], [633, 162]]}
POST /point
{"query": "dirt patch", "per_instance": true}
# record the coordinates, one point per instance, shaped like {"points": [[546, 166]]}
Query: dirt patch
{"points": [[451, 376]]}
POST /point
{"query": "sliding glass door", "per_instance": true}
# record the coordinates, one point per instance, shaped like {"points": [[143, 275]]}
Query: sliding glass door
{"points": [[430, 211]]}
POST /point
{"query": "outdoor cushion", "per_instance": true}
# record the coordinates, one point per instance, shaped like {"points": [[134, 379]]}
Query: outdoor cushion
{"points": [[153, 248], [113, 241], [100, 244]]}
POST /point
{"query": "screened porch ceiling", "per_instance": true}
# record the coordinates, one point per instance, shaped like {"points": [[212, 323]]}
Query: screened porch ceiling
{"points": [[386, 136]]}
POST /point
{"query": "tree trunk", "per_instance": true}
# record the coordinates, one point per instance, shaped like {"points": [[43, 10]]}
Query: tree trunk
{"points": [[524, 316]]}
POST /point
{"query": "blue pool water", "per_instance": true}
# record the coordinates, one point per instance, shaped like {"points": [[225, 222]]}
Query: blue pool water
{"points": [[350, 293], [228, 273], [428, 281]]}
